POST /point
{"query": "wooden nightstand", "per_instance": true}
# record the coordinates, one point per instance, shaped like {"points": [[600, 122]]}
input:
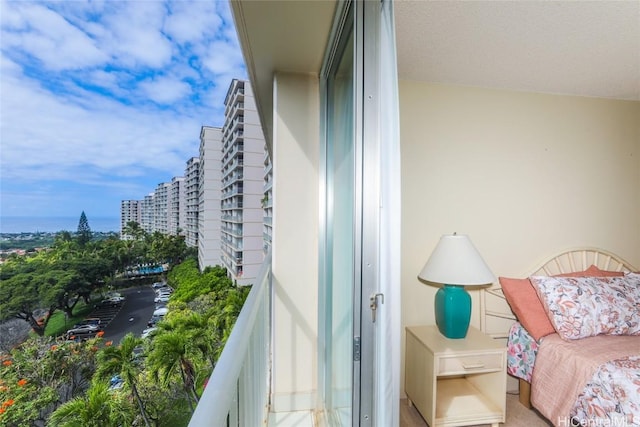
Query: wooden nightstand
{"points": [[455, 382]]}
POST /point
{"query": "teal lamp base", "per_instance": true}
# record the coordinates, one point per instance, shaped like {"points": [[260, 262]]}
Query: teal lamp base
{"points": [[453, 311]]}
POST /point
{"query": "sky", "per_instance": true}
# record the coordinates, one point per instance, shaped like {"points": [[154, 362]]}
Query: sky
{"points": [[102, 100]]}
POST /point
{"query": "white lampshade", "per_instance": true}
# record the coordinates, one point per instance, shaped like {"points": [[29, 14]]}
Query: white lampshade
{"points": [[455, 261]]}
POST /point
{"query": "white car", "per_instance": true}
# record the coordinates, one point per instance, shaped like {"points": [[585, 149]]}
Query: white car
{"points": [[147, 332], [163, 298]]}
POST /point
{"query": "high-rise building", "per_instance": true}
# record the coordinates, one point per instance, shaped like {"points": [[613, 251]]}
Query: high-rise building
{"points": [[191, 177], [209, 197], [224, 203], [242, 184], [177, 206], [147, 213], [129, 212], [161, 208], [267, 202]]}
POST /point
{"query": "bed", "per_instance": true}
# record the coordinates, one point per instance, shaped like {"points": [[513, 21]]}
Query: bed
{"points": [[572, 328]]}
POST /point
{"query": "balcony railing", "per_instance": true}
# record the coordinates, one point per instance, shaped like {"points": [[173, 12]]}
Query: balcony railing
{"points": [[237, 393]]}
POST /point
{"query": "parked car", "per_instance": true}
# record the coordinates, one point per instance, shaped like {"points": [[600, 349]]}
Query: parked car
{"points": [[158, 285], [83, 331], [111, 302], [158, 315], [148, 332], [163, 298], [89, 321]]}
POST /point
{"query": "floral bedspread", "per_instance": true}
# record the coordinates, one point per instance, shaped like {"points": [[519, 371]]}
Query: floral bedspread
{"points": [[521, 352], [612, 396]]}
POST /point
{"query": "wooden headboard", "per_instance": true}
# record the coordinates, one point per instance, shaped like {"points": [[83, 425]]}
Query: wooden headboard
{"points": [[495, 315]]}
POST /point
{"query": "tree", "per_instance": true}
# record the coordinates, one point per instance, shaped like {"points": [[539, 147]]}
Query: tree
{"points": [[98, 408], [133, 230], [84, 231], [122, 360], [171, 354], [167, 248], [20, 297], [41, 374]]}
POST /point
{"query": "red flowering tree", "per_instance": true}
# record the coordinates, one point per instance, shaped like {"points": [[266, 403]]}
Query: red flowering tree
{"points": [[41, 374]]}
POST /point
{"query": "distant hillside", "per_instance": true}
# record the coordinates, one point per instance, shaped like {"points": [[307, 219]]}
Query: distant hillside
{"points": [[31, 241]]}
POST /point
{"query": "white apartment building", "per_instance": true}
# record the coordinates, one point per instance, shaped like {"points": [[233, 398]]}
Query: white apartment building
{"points": [[242, 184], [129, 212], [147, 213], [161, 207], [191, 177], [177, 206], [267, 202], [209, 197]]}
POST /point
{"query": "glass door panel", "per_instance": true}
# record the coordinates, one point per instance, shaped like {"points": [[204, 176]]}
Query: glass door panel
{"points": [[340, 236]]}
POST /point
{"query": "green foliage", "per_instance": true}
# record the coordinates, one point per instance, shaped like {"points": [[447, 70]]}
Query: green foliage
{"points": [[68, 273], [40, 375], [171, 357], [59, 323], [26, 241], [84, 231], [97, 408], [69, 379], [190, 283], [122, 360], [165, 403]]}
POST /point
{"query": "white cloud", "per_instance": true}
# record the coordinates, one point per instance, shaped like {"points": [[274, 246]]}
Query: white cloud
{"points": [[223, 58], [47, 36], [136, 37], [192, 22], [125, 88], [165, 90]]}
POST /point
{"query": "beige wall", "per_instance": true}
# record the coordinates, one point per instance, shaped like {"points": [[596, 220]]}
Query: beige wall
{"points": [[524, 175], [295, 241]]}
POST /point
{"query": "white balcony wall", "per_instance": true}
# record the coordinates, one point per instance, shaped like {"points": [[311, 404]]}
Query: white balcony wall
{"points": [[295, 241]]}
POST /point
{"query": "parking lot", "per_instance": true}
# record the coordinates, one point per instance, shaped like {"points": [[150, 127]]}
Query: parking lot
{"points": [[131, 315]]}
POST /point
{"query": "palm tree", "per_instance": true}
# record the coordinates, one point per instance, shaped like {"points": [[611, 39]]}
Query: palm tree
{"points": [[233, 303], [98, 408], [195, 327], [171, 352], [122, 360]]}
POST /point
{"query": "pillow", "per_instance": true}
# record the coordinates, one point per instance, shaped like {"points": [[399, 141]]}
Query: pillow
{"points": [[526, 304], [581, 307], [596, 272]]}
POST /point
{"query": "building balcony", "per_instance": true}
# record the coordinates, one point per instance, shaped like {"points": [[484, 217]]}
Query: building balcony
{"points": [[237, 393]]}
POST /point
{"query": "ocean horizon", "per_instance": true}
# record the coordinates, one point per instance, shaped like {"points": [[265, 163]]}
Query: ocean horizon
{"points": [[25, 224]]}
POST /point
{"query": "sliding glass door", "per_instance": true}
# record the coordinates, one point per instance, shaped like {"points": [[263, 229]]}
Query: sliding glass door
{"points": [[339, 234], [349, 239]]}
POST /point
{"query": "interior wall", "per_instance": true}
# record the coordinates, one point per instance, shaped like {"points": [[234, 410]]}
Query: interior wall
{"points": [[525, 175], [295, 242]]}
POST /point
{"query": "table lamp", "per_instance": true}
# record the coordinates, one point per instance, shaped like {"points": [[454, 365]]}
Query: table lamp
{"points": [[455, 263]]}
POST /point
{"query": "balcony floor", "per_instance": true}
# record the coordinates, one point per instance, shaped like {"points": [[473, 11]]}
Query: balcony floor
{"points": [[517, 415]]}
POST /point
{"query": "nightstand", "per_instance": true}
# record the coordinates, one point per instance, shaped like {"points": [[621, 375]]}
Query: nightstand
{"points": [[455, 382]]}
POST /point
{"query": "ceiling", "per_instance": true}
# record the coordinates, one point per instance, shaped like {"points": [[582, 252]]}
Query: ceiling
{"points": [[573, 47], [584, 48]]}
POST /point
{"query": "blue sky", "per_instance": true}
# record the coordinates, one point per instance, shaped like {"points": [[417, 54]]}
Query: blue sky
{"points": [[103, 100]]}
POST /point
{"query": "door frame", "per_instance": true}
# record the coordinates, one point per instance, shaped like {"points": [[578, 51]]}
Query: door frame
{"points": [[366, 32]]}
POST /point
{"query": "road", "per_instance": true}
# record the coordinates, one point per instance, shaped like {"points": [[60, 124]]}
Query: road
{"points": [[131, 316]]}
